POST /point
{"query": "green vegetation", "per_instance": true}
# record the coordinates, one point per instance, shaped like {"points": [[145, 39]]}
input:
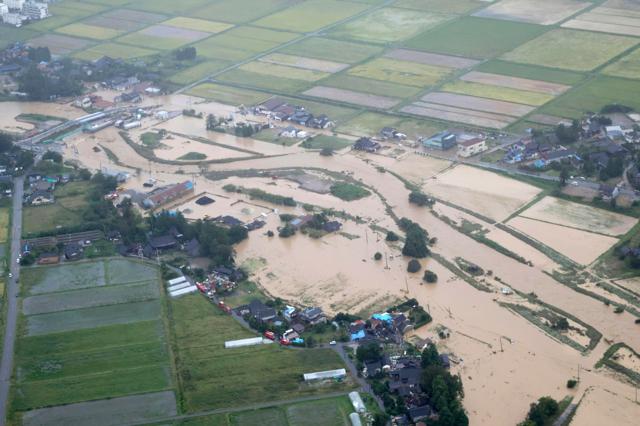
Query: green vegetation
{"points": [[259, 194], [348, 191], [324, 141], [239, 11], [89, 31], [497, 93], [227, 94], [415, 244], [193, 156], [609, 360], [368, 85], [151, 139], [332, 50], [273, 136], [198, 72], [588, 50], [531, 72], [260, 374], [476, 37], [400, 72], [263, 81]]}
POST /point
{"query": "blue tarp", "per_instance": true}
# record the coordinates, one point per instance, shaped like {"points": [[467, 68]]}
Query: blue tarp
{"points": [[357, 336], [386, 317]]}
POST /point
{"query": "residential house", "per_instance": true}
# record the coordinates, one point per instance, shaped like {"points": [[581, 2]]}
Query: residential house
{"points": [[313, 316], [49, 259], [442, 141], [614, 132], [39, 198], [420, 413], [366, 145], [560, 156], [163, 242], [228, 221], [471, 147], [73, 251], [332, 226], [391, 133], [260, 311], [168, 194]]}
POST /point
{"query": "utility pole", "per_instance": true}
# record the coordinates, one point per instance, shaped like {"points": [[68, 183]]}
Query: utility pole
{"points": [[501, 348], [578, 372]]}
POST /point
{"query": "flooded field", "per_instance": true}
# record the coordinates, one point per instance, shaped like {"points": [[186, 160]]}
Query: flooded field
{"points": [[487, 193], [603, 407]]}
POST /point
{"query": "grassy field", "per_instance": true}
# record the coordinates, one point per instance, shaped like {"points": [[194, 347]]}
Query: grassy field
{"points": [[628, 66], [475, 37], [263, 81], [276, 70], [153, 42], [441, 6], [593, 95], [273, 136], [324, 141], [332, 50], [348, 191], [113, 50], [193, 156], [531, 72], [89, 31], [4, 224], [198, 24], [198, 72], [311, 15], [368, 124], [81, 353], [69, 201], [388, 25], [240, 11], [213, 377], [400, 72], [375, 87], [496, 92], [228, 95], [588, 50]]}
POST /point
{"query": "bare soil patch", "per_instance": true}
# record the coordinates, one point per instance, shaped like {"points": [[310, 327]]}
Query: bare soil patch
{"points": [[479, 104], [352, 97], [431, 58], [610, 20], [544, 12], [304, 63], [457, 114], [515, 83]]}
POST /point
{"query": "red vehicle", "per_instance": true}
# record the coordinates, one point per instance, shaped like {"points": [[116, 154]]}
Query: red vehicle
{"points": [[201, 287], [285, 342], [270, 335]]}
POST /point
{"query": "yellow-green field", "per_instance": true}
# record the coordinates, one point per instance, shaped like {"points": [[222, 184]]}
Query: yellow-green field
{"points": [[228, 95], [198, 72], [198, 24], [114, 50], [283, 71], [497, 93], [401, 72], [571, 49], [628, 66], [4, 225], [311, 15], [89, 31]]}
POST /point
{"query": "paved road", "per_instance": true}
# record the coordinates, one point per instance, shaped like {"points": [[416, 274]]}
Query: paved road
{"points": [[244, 408], [6, 367]]}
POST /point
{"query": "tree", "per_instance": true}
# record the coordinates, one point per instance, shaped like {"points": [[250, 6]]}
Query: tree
{"points": [[6, 142], [237, 234], [542, 410], [368, 352], [564, 175], [84, 174], [392, 236], [186, 54], [415, 244], [287, 231], [430, 356], [413, 266], [377, 256], [568, 134], [39, 54], [430, 277], [56, 157], [326, 152], [420, 199]]}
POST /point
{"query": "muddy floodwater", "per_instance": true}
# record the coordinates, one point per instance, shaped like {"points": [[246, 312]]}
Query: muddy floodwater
{"points": [[506, 362]]}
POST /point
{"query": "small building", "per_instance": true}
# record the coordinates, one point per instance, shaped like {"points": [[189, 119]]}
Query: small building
{"points": [[420, 413], [354, 418], [40, 198], [49, 259], [253, 341], [332, 226], [441, 141], [614, 132], [313, 316], [260, 311], [163, 242], [168, 194], [325, 375], [471, 147]]}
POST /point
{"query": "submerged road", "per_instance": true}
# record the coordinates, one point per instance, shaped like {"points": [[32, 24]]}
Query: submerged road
{"points": [[11, 299]]}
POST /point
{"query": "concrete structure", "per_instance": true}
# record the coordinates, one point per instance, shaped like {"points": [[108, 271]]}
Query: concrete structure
{"points": [[324, 375], [13, 19], [15, 4], [357, 402], [253, 341], [442, 141], [4, 9], [35, 11], [471, 147]]}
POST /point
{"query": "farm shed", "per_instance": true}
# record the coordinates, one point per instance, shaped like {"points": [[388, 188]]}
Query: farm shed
{"points": [[323, 375], [355, 419], [178, 280], [357, 402], [177, 287], [246, 342], [183, 291]]}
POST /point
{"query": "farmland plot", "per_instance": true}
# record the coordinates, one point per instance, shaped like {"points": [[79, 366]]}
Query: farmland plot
{"points": [[580, 246], [94, 317], [304, 63], [441, 6], [228, 95], [431, 58], [113, 50], [120, 271], [628, 66], [59, 44], [589, 50], [580, 216], [89, 31], [388, 25], [332, 50], [515, 83], [497, 93], [544, 12], [608, 20], [88, 298], [351, 97], [487, 193], [65, 277], [240, 11], [109, 412], [400, 72]]}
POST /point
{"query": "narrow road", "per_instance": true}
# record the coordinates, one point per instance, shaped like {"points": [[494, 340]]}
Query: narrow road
{"points": [[6, 368], [560, 421]]}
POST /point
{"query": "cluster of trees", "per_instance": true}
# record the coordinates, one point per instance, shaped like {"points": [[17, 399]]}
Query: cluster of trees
{"points": [[39, 54], [185, 54], [42, 87], [259, 194], [568, 134], [443, 390], [541, 412], [420, 199], [416, 242], [430, 277], [13, 156]]}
